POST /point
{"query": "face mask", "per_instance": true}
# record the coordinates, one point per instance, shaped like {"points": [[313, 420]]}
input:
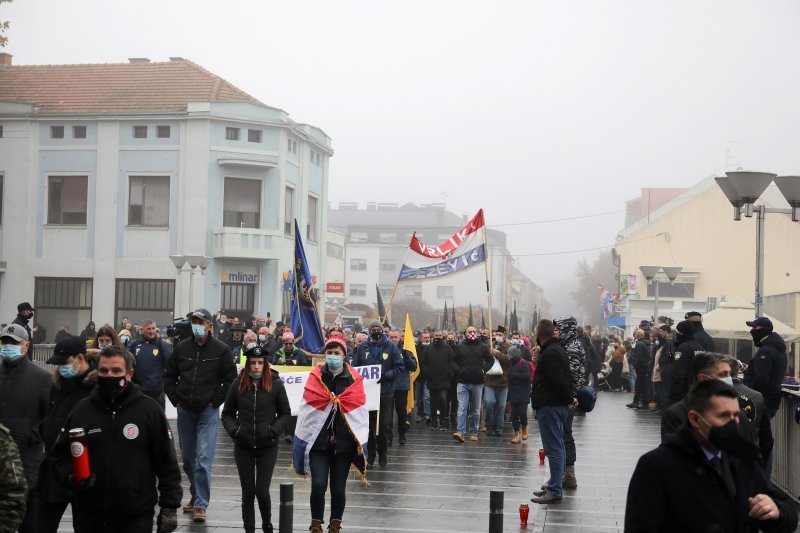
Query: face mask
{"points": [[262, 338], [10, 352], [515, 342], [728, 381], [451, 342], [333, 361], [124, 339], [198, 330], [498, 339], [253, 375], [67, 371], [757, 335], [484, 338], [101, 346], [725, 437], [437, 341], [376, 335], [250, 345], [471, 335], [111, 386]]}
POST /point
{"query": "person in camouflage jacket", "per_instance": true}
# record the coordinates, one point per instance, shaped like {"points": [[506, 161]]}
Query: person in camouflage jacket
{"points": [[13, 486], [567, 332]]}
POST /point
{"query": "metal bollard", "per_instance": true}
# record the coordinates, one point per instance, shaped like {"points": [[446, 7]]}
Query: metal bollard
{"points": [[496, 511], [286, 517]]}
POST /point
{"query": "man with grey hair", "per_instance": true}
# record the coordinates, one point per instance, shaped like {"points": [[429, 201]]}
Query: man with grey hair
{"points": [[152, 355]]}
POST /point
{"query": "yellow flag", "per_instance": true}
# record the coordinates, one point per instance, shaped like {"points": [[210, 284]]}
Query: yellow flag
{"points": [[408, 344]]}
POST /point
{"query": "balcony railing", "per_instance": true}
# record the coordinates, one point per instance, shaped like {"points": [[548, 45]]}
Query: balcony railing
{"points": [[252, 243]]}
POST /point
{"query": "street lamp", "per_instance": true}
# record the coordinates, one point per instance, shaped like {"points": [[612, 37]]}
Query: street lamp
{"points": [[651, 273], [742, 189], [194, 261]]}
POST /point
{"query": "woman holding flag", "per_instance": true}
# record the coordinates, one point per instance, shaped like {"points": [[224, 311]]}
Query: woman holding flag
{"points": [[332, 428]]}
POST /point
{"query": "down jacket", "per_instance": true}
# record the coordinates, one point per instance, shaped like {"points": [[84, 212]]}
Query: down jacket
{"points": [[256, 418]]}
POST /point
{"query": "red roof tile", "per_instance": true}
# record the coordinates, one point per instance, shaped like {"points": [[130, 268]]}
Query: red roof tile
{"points": [[117, 87]]}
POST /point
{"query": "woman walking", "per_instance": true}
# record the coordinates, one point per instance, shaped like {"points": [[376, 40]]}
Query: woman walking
{"points": [[255, 414], [327, 440], [519, 393]]}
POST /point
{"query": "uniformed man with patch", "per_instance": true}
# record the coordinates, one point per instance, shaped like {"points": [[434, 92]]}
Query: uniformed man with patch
{"points": [[681, 364], [13, 486], [151, 354], [131, 452]]}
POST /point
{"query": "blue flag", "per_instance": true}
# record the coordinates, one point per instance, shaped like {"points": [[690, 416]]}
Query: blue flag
{"points": [[305, 318]]}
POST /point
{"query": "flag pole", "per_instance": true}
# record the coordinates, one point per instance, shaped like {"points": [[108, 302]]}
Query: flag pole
{"points": [[396, 283], [486, 269]]}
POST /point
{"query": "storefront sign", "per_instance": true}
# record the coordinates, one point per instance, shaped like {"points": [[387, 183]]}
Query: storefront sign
{"points": [[238, 277], [337, 288]]}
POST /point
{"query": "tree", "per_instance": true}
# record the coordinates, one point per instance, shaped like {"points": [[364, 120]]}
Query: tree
{"points": [[588, 279], [4, 26]]}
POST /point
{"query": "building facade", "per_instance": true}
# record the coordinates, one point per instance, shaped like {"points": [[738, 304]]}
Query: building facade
{"points": [[110, 170]]}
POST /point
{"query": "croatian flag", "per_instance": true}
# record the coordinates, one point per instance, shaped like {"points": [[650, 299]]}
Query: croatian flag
{"points": [[464, 250], [315, 409], [607, 299]]}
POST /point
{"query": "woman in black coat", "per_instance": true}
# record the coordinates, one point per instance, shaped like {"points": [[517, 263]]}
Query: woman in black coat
{"points": [[255, 414]]}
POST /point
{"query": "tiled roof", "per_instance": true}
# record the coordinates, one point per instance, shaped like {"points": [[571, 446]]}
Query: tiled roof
{"points": [[116, 87]]}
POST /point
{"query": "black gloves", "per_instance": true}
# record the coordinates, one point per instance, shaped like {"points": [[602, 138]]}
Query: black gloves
{"points": [[167, 520], [84, 484]]}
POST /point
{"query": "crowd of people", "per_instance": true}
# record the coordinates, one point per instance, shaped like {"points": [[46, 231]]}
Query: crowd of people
{"points": [[107, 391]]}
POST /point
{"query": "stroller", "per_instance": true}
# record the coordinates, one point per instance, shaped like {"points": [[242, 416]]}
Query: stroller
{"points": [[607, 381]]}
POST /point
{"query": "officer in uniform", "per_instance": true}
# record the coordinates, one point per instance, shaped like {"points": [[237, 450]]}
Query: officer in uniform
{"points": [[130, 449]]}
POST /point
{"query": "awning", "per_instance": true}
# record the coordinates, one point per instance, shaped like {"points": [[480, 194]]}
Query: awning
{"points": [[728, 322]]}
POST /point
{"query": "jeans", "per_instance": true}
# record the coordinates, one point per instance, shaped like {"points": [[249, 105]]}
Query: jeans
{"points": [[631, 378], [469, 396], [439, 404], [569, 440], [197, 431], [322, 465], [85, 523], [386, 410], [422, 398], [551, 428], [495, 398], [400, 403], [519, 415], [643, 381], [255, 474]]}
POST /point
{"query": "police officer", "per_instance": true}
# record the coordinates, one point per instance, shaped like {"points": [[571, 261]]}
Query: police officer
{"points": [[152, 354], [130, 449]]}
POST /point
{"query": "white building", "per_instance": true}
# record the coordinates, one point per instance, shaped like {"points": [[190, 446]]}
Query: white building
{"points": [[108, 170]]}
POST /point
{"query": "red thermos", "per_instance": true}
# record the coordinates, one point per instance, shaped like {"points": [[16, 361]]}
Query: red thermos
{"points": [[80, 454], [523, 514], [541, 456]]}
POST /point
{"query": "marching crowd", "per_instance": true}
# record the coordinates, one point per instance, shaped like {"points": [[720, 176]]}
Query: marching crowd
{"points": [[107, 389]]}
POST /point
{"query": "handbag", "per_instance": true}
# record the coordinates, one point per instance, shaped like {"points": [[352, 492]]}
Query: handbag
{"points": [[496, 369]]}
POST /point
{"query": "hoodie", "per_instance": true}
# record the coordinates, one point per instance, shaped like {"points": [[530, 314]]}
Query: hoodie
{"points": [[568, 338], [766, 370]]}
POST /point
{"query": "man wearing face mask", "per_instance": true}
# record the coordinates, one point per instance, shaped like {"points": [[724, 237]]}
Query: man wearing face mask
{"points": [[437, 362], [24, 400], [680, 365], [766, 370], [24, 316], [198, 377], [152, 355], [703, 478], [471, 359], [422, 396], [124, 431]]}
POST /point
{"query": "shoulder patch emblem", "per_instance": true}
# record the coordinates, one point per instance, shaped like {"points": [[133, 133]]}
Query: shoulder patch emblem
{"points": [[131, 431], [155, 353], [385, 356], [677, 355]]}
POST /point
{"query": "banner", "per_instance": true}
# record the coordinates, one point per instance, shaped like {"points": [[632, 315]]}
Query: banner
{"points": [[607, 300], [627, 285], [304, 316], [464, 250], [294, 382]]}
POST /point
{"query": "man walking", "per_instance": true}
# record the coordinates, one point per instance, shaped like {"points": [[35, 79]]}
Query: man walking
{"points": [[471, 359], [552, 400], [199, 374], [152, 355], [24, 315]]}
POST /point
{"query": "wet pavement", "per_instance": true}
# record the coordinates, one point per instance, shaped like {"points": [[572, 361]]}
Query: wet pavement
{"points": [[434, 484]]}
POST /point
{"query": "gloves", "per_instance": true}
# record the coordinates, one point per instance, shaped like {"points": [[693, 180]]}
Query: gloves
{"points": [[84, 484], [167, 520]]}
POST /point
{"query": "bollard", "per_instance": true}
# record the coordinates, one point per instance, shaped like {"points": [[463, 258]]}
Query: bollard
{"points": [[286, 517], [496, 511]]}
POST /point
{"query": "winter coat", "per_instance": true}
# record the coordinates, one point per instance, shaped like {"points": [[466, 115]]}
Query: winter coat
{"points": [[641, 356], [519, 380], [131, 452], [24, 401], [384, 353], [592, 361], [471, 360], [703, 338], [551, 381], [437, 363], [89, 332], [151, 357], [568, 337], [674, 488], [255, 419], [766, 370], [294, 358], [23, 321], [345, 442], [199, 376], [680, 367], [500, 380], [403, 381]]}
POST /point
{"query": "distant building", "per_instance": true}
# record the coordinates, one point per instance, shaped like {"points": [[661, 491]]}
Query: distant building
{"points": [[107, 170], [376, 243]]}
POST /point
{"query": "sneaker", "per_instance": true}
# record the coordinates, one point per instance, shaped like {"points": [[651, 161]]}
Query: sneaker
{"points": [[458, 436], [632, 405], [473, 438], [189, 507], [199, 515], [442, 428], [547, 497], [539, 493]]}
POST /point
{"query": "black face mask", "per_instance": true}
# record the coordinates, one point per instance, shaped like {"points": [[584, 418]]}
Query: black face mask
{"points": [[483, 338], [725, 437], [376, 335], [111, 386], [451, 342], [437, 341], [758, 334]]}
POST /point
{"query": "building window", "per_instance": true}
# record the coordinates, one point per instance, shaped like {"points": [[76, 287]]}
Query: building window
{"points": [[232, 134], [66, 200], [318, 160], [358, 265], [163, 132], [334, 250], [254, 136], [148, 201], [387, 237], [311, 233], [291, 147], [312, 156], [358, 236], [288, 211], [61, 302], [239, 299], [357, 289], [78, 132], [145, 299], [672, 290], [140, 132], [414, 291], [444, 292], [242, 203], [1, 132], [388, 265], [386, 290], [2, 186], [56, 132]]}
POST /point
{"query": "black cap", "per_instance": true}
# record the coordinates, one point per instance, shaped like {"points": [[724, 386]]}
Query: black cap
{"points": [[202, 314], [760, 322], [255, 351], [237, 327], [25, 306], [68, 346], [500, 329]]}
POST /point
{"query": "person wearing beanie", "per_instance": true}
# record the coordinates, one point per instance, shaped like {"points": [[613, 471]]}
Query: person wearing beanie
{"points": [[700, 334], [766, 370], [680, 364], [519, 393]]}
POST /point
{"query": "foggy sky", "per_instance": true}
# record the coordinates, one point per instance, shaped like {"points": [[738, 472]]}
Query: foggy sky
{"points": [[531, 110]]}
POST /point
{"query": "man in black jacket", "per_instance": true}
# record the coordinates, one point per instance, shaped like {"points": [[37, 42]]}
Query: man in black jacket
{"points": [[700, 334], [552, 399], [131, 452], [640, 359], [24, 315], [471, 360], [703, 478], [437, 363], [766, 370], [681, 363], [199, 374]]}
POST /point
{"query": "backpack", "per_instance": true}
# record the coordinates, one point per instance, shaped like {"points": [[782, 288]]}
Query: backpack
{"points": [[530, 363]]}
